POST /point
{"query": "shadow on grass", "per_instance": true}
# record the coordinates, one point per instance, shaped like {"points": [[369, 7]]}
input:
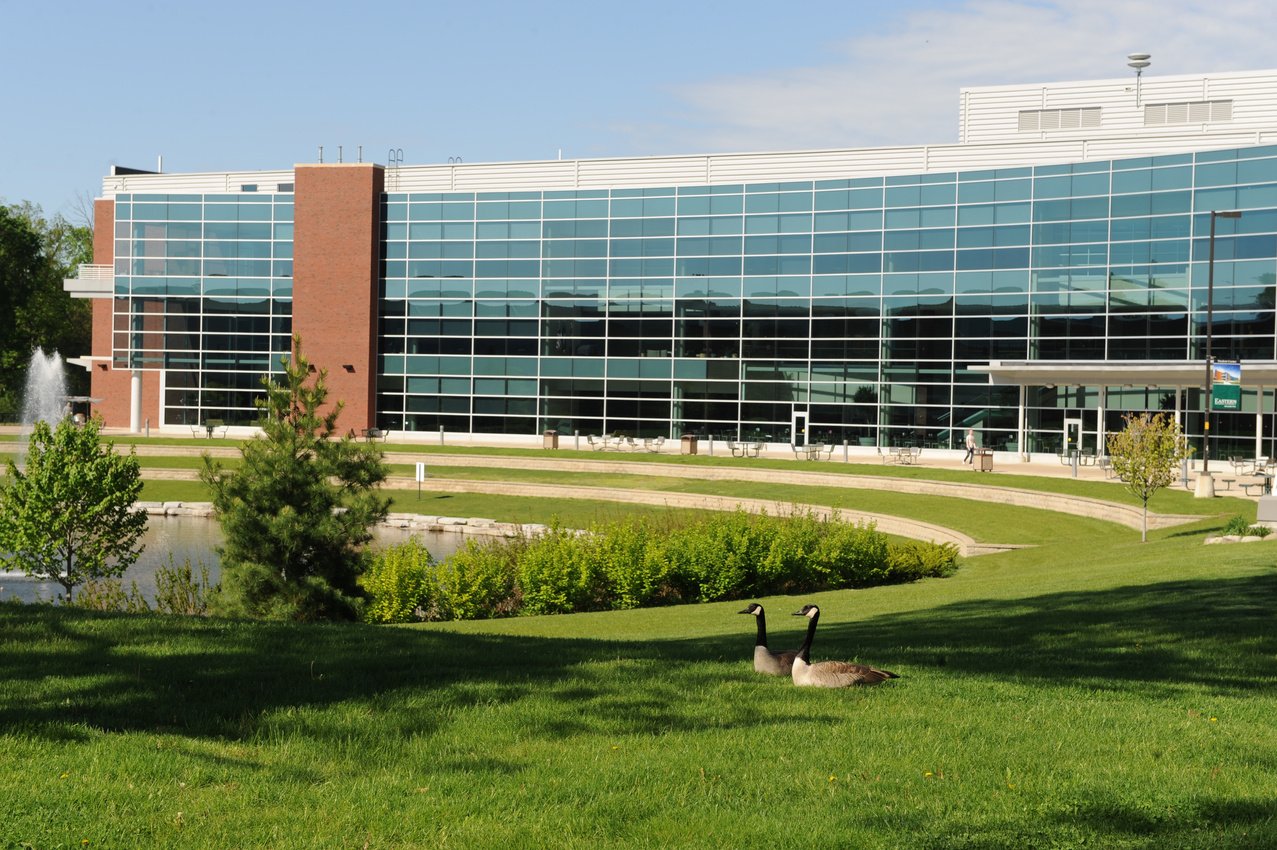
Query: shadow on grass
{"points": [[1208, 823], [65, 671], [1216, 634]]}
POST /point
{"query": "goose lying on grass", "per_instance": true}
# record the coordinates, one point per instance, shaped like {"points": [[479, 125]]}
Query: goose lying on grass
{"points": [[830, 674], [765, 660]]}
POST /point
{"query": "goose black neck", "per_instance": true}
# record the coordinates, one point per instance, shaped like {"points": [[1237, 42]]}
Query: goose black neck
{"points": [[761, 639], [804, 651]]}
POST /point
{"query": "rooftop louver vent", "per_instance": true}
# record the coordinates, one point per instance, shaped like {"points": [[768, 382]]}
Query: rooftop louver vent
{"points": [[1190, 112], [1036, 120]]}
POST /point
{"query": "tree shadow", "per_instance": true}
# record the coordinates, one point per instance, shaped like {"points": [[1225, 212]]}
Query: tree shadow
{"points": [[1214, 634], [1208, 823], [66, 672]]}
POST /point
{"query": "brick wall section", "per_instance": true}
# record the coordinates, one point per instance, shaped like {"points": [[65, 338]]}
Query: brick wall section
{"points": [[106, 383], [336, 239], [111, 385]]}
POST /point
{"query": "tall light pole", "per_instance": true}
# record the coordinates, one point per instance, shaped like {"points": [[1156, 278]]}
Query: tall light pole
{"points": [[1210, 327]]}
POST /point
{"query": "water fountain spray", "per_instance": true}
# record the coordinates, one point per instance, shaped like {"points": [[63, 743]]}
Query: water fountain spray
{"points": [[46, 391]]}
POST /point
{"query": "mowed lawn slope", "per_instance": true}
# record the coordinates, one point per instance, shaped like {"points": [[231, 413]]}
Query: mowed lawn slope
{"points": [[1089, 691]]}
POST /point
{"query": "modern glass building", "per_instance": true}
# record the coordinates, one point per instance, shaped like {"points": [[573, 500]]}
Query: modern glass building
{"points": [[1036, 281]]}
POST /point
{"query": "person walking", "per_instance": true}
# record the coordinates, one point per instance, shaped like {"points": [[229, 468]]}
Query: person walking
{"points": [[970, 446]]}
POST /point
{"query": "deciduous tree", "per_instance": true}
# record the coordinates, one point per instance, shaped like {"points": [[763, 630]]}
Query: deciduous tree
{"points": [[1144, 455], [36, 254], [297, 512], [68, 514]]}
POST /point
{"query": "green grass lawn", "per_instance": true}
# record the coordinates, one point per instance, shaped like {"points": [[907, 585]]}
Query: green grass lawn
{"points": [[1089, 691], [1098, 704]]}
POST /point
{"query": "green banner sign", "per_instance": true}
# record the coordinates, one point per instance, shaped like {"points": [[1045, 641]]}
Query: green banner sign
{"points": [[1226, 386], [1226, 398]]}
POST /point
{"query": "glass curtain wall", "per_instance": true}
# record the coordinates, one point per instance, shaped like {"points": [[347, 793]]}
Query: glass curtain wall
{"points": [[726, 310], [203, 293]]}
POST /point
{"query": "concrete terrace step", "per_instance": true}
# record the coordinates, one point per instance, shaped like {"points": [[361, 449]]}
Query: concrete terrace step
{"points": [[1128, 515], [977, 490], [899, 526]]}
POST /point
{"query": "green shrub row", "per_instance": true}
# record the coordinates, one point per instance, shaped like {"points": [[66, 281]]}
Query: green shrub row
{"points": [[639, 562]]}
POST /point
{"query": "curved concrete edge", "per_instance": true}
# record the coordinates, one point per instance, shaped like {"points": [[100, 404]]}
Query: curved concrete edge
{"points": [[899, 526], [1128, 515]]}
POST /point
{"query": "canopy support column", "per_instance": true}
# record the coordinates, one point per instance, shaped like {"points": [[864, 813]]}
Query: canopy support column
{"points": [[1020, 436], [135, 402], [1099, 422], [1259, 422]]}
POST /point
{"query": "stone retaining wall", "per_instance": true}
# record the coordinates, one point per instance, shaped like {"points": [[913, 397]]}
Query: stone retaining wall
{"points": [[477, 526]]}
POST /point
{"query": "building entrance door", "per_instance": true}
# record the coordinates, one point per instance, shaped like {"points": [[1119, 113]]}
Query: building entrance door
{"points": [[1072, 435], [799, 428]]}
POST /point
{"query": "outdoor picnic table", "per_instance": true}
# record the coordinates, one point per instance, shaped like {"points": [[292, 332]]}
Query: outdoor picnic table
{"points": [[813, 451], [902, 454]]}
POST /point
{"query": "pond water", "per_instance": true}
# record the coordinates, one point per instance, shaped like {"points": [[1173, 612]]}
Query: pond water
{"points": [[195, 538]]}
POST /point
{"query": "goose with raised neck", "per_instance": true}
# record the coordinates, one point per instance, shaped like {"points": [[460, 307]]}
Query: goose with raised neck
{"points": [[770, 662], [830, 674]]}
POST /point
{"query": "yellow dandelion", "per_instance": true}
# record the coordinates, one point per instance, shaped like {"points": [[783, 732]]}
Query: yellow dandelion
{"points": [[64, 776], [928, 774], [1214, 720], [832, 777]]}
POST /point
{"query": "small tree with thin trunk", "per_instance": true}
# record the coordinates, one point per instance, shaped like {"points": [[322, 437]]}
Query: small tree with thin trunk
{"points": [[68, 514], [1145, 454]]}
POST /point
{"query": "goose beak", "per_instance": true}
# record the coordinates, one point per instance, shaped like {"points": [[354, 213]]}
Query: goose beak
{"points": [[746, 611]]}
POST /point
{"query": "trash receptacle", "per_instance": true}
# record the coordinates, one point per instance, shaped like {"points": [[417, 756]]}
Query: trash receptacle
{"points": [[688, 444], [551, 440], [984, 460]]}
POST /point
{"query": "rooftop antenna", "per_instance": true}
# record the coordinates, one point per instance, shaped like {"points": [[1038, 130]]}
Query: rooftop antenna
{"points": [[339, 153], [1138, 61], [321, 154]]}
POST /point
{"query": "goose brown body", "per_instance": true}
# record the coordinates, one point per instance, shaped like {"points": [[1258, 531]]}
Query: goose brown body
{"points": [[830, 674], [767, 661]]}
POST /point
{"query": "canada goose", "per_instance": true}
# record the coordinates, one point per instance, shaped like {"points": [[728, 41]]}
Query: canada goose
{"points": [[765, 660], [830, 674]]}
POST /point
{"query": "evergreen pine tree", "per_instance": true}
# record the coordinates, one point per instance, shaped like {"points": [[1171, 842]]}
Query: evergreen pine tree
{"points": [[297, 512]]}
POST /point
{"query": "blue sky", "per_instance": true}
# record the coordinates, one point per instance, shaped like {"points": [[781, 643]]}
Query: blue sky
{"points": [[235, 85]]}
